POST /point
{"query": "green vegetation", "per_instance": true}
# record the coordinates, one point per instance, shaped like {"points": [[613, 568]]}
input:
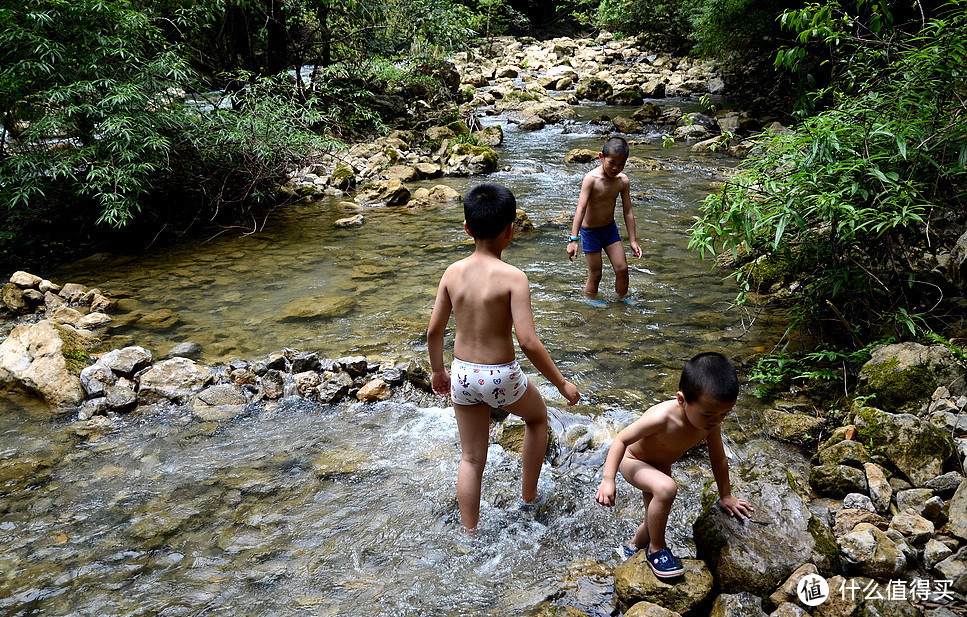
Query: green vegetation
{"points": [[858, 198]]}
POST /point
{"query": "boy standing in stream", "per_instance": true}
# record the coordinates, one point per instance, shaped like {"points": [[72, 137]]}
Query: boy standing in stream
{"points": [[594, 220], [645, 450], [490, 301]]}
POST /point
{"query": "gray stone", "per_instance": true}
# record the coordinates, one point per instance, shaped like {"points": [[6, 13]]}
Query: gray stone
{"points": [[173, 379], [273, 384], [73, 292], [334, 388], [881, 493], [837, 480], [954, 569], [305, 362], [913, 498], [945, 485], [758, 556], [121, 397], [957, 513], [916, 447], [127, 361], [641, 609], [94, 320], [188, 349], [845, 452], [788, 609], [934, 552], [356, 366], [65, 315], [96, 378], [218, 403], [742, 604], [872, 553], [858, 501], [92, 407], [306, 382]]}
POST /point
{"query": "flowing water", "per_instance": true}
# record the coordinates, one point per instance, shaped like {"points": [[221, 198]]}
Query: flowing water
{"points": [[302, 509]]}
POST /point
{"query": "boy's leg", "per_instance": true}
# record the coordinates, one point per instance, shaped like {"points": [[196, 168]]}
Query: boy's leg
{"points": [[616, 255], [595, 262], [473, 423], [658, 490], [532, 409]]}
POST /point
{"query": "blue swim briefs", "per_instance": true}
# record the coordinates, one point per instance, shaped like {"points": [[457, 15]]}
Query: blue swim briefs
{"points": [[596, 238]]}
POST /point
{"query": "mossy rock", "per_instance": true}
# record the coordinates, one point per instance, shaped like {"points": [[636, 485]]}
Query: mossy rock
{"points": [[903, 376], [594, 89], [630, 96], [918, 448], [343, 176]]}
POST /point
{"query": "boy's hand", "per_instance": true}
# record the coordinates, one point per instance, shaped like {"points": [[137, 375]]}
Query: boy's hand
{"points": [[605, 494], [440, 381], [735, 506], [572, 250], [570, 392], [636, 249]]}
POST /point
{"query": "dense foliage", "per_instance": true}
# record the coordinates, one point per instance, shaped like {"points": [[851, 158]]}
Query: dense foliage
{"points": [[855, 204]]}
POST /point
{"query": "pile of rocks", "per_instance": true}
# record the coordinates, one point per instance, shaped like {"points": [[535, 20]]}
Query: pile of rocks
{"points": [[533, 85], [72, 303], [125, 380]]}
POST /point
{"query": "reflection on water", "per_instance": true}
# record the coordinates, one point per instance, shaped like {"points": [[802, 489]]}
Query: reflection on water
{"points": [[301, 509]]}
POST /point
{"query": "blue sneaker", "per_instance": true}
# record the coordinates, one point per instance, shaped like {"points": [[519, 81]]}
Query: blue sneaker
{"points": [[626, 551], [664, 564]]}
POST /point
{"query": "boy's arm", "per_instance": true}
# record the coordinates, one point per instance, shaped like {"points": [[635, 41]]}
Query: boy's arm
{"points": [[572, 246], [523, 317], [442, 307], [637, 430], [629, 216], [720, 470]]}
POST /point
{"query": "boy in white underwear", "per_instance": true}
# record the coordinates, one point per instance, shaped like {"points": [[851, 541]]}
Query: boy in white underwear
{"points": [[490, 301]]}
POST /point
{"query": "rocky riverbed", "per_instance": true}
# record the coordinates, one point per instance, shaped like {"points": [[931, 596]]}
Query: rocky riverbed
{"points": [[879, 513]]}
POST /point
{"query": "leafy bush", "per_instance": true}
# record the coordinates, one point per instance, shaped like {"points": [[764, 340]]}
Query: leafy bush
{"points": [[856, 196]]}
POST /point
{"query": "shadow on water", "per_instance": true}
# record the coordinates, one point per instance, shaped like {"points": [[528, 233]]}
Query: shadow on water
{"points": [[302, 509]]}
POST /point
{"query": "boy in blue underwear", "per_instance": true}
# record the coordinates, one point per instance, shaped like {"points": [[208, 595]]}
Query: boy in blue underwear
{"points": [[594, 219], [490, 301], [644, 452]]}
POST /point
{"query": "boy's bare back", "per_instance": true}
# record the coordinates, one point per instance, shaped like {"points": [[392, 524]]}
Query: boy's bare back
{"points": [[482, 291]]}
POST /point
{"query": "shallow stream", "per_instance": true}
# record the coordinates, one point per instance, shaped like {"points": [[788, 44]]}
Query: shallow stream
{"points": [[303, 509]]}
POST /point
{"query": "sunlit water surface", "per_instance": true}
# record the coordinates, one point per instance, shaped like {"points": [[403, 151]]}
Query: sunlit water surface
{"points": [[303, 509]]}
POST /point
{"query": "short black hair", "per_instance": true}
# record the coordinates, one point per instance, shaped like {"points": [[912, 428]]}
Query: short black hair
{"points": [[488, 208], [712, 374], [616, 146]]}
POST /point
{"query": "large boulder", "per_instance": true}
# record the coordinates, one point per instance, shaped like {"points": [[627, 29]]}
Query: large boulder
{"points": [[904, 375], [757, 555], [174, 379], [45, 359], [918, 448]]}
